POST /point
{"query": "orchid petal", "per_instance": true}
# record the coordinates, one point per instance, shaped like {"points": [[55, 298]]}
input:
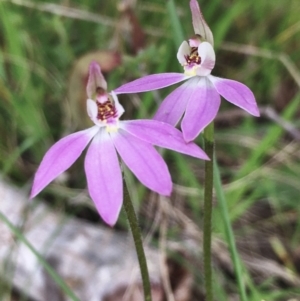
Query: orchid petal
{"points": [[199, 24], [144, 161], [202, 108], [163, 135], [208, 59], [183, 51], [173, 106], [236, 93], [60, 157], [104, 177], [151, 82], [118, 106], [96, 80]]}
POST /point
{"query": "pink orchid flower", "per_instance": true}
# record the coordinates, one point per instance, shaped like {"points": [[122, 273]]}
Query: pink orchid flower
{"points": [[133, 140], [199, 96]]}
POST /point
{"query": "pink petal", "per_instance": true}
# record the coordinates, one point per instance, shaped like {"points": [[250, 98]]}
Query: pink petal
{"points": [[151, 82], [208, 59], [163, 135], [104, 177], [96, 80], [173, 106], [236, 93], [144, 161], [60, 157], [202, 108], [200, 26]]}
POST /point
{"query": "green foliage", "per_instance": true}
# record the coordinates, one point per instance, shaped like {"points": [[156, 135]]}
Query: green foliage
{"points": [[258, 158]]}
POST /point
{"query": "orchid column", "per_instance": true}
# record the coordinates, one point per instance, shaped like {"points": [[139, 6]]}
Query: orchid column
{"points": [[196, 103]]}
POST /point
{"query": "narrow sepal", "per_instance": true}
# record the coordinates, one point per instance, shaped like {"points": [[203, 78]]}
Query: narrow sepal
{"points": [[60, 157], [236, 93], [144, 161], [164, 135], [104, 177], [200, 26], [151, 82], [174, 105], [201, 110]]}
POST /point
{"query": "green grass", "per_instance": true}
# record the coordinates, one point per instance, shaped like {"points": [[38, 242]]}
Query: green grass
{"points": [[258, 159]]}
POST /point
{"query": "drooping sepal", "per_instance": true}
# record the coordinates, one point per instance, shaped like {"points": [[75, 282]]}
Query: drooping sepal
{"points": [[104, 177], [236, 93]]}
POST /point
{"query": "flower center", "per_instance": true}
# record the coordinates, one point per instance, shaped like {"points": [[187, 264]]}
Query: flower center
{"points": [[106, 110], [194, 57]]}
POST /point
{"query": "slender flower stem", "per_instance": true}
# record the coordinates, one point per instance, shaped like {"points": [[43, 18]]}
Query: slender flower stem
{"points": [[208, 195], [229, 233], [137, 237]]}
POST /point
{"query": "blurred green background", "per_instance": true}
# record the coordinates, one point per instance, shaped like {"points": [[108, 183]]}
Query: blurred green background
{"points": [[45, 49]]}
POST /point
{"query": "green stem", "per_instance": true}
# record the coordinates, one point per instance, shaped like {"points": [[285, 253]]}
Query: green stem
{"points": [[208, 196], [137, 237], [229, 233], [57, 279]]}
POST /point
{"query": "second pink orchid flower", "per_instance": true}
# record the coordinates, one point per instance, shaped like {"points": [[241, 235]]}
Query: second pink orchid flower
{"points": [[199, 97]]}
